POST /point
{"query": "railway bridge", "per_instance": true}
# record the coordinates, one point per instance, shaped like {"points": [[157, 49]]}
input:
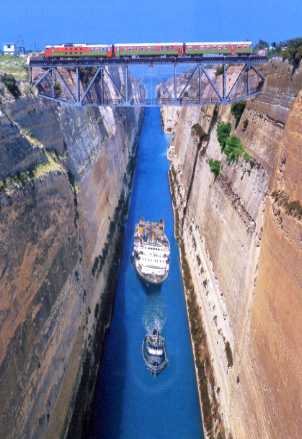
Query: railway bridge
{"points": [[148, 81]]}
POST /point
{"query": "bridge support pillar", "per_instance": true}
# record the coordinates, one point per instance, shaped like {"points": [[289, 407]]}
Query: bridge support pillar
{"points": [[224, 81], [78, 86], [199, 84], [126, 84], [174, 82], [247, 80]]}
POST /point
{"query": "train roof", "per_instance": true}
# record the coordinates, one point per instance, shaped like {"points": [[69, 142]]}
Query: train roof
{"points": [[201, 43], [147, 44], [213, 43], [78, 45]]}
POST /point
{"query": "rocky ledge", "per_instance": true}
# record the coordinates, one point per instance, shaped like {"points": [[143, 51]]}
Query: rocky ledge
{"points": [[239, 227], [64, 183]]}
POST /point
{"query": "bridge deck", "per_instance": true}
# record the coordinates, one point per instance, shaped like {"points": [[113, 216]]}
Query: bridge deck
{"points": [[193, 59]]}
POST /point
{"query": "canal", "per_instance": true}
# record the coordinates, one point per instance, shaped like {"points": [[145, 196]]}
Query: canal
{"points": [[130, 402]]}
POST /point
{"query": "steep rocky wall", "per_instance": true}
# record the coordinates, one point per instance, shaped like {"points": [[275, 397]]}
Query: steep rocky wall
{"points": [[64, 180], [240, 240]]}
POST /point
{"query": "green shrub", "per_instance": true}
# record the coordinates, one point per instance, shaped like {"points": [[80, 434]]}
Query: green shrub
{"points": [[293, 51], [237, 110], [247, 157], [215, 167], [288, 49], [197, 130], [233, 149], [58, 89], [262, 44], [11, 84], [223, 132], [245, 125], [231, 146], [219, 71], [292, 208]]}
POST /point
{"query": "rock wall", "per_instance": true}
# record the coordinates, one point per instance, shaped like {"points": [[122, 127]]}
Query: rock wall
{"points": [[241, 251], [64, 182]]}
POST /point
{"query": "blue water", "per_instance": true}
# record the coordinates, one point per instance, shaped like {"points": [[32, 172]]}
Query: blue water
{"points": [[130, 402]]}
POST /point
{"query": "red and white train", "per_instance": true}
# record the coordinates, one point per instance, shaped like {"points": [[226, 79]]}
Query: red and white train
{"points": [[147, 49]]}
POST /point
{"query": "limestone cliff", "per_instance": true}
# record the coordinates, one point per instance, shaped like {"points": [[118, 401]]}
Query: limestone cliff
{"points": [[240, 240], [64, 181]]}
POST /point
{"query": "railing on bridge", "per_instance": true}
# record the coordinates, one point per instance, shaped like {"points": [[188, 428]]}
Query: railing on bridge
{"points": [[194, 80]]}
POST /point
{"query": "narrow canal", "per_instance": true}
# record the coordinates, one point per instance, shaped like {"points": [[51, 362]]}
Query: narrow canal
{"points": [[130, 402]]}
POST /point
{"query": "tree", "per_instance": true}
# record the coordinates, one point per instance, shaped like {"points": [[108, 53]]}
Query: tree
{"points": [[215, 167], [262, 44], [223, 132], [237, 110], [233, 149], [11, 84]]}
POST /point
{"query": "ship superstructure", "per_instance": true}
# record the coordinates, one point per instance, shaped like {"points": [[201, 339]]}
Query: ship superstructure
{"points": [[151, 251]]}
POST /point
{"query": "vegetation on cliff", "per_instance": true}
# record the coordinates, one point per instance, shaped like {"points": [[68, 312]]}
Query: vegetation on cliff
{"points": [[237, 109], [231, 146], [215, 167], [11, 84], [292, 208], [293, 51], [223, 132], [50, 165], [290, 50], [234, 150], [13, 65]]}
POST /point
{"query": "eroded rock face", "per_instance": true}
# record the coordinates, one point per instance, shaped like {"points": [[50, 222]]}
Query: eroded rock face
{"points": [[240, 239], [64, 181]]}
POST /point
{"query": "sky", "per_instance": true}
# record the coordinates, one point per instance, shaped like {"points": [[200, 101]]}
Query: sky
{"points": [[38, 22]]}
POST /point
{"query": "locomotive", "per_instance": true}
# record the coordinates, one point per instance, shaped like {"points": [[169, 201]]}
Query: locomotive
{"points": [[146, 49]]}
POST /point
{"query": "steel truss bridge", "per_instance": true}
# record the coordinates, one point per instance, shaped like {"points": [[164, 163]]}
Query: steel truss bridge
{"points": [[194, 80]]}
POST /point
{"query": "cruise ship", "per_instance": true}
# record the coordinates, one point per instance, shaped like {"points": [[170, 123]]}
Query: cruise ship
{"points": [[151, 251]]}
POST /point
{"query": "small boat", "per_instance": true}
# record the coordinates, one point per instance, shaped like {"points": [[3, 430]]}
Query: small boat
{"points": [[154, 352]]}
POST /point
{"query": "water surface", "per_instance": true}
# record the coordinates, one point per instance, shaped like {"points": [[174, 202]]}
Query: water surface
{"points": [[130, 402]]}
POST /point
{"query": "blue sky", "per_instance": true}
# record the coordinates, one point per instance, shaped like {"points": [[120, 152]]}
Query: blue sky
{"points": [[38, 22]]}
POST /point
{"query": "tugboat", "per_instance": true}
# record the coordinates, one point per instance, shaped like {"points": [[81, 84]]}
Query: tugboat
{"points": [[154, 352], [151, 251]]}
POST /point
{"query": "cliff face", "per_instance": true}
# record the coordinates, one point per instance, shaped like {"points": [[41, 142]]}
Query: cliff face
{"points": [[240, 239], [64, 181]]}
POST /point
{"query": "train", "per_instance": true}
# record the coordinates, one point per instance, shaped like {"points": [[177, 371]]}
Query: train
{"points": [[134, 50]]}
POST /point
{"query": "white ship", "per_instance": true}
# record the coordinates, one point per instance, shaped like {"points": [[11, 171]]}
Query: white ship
{"points": [[151, 251]]}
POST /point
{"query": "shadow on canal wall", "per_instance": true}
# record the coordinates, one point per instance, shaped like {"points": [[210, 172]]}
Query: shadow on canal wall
{"points": [[84, 402], [120, 381]]}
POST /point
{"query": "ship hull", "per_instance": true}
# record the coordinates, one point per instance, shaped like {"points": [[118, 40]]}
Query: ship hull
{"points": [[149, 279], [154, 365]]}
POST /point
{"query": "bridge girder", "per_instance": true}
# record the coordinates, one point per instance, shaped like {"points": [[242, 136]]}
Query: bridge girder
{"points": [[111, 83]]}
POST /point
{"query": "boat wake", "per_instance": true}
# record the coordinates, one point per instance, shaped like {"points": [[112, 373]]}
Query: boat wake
{"points": [[154, 318]]}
